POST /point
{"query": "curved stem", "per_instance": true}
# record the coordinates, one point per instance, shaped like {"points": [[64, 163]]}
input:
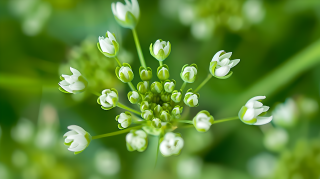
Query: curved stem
{"points": [[120, 105], [136, 40], [155, 163], [115, 133], [116, 58], [132, 86], [183, 86], [186, 121], [203, 83]]}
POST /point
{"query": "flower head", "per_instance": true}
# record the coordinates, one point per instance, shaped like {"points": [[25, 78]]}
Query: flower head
{"points": [[127, 15], [220, 65], [160, 50], [203, 121], [251, 111], [74, 83], [108, 45], [108, 99], [124, 120], [77, 139], [171, 144], [137, 140], [189, 73]]}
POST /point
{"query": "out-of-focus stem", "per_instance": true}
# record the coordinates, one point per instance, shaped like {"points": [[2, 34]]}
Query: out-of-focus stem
{"points": [[115, 133], [203, 83]]}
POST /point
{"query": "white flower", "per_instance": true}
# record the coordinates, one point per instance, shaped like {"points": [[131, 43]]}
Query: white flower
{"points": [[127, 15], [137, 140], [171, 145], [188, 73], [74, 83], [249, 114], [124, 119], [125, 73], [203, 121], [191, 99], [108, 99], [285, 114], [77, 139], [109, 45], [223, 64], [160, 49]]}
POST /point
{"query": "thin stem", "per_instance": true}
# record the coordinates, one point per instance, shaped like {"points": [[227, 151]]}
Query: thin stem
{"points": [[95, 93], [183, 86], [225, 120], [132, 86], [160, 63], [136, 40], [203, 83], [155, 163], [120, 105], [186, 121], [115, 133], [116, 58]]}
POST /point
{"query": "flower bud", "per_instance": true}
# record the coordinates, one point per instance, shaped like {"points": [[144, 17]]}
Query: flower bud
{"points": [[108, 99], [156, 87], [153, 105], [145, 74], [134, 97], [77, 139], [143, 87], [124, 119], [109, 45], [147, 115], [171, 144], [125, 73], [203, 121], [191, 99], [176, 112], [157, 111], [137, 140], [220, 65], [165, 116], [251, 111], [165, 97], [169, 86], [160, 50], [163, 72], [144, 106], [176, 96], [148, 96], [74, 83], [286, 114], [156, 122], [127, 15], [189, 73], [166, 106]]}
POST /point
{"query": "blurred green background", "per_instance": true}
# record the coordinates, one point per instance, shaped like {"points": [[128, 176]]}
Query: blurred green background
{"points": [[278, 42]]}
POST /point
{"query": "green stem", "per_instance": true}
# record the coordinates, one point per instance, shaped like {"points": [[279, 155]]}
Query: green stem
{"points": [[186, 121], [183, 86], [132, 86], [160, 63], [136, 40], [155, 163], [203, 83], [225, 120], [120, 105], [116, 58], [115, 133]]}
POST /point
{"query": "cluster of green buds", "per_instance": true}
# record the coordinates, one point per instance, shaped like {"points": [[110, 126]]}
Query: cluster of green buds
{"points": [[158, 105]]}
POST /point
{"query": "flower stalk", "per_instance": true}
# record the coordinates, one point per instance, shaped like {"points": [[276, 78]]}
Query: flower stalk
{"points": [[136, 40], [203, 83], [115, 133], [120, 105]]}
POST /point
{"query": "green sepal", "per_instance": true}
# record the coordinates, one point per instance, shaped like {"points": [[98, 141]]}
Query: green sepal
{"points": [[143, 87], [146, 75], [144, 106], [122, 77], [61, 78], [130, 21], [132, 100], [156, 87], [104, 108], [64, 91], [212, 69], [185, 77], [242, 112]]}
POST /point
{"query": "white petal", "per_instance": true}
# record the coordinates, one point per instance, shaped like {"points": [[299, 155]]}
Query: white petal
{"points": [[156, 47], [256, 98], [114, 10], [72, 132], [249, 114], [121, 11], [111, 37], [226, 55], [263, 120], [222, 71], [73, 145], [77, 86], [234, 63], [78, 129], [224, 62], [75, 71], [64, 83], [135, 9], [166, 48], [216, 56], [265, 108]]}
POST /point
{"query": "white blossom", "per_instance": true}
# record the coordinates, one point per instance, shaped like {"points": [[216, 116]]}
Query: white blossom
{"points": [[171, 145], [73, 83], [224, 64], [77, 139]]}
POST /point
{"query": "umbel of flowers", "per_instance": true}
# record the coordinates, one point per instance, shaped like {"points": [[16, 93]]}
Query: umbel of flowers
{"points": [[157, 105]]}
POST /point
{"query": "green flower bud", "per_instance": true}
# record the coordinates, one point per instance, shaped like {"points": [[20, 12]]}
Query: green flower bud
{"points": [[157, 111], [127, 15], [163, 72], [156, 122], [153, 105], [134, 97], [143, 87], [125, 73], [203, 121], [176, 112], [137, 140], [176, 96], [144, 106], [145, 73], [160, 50], [191, 99], [165, 116], [147, 115], [166, 106], [124, 119], [108, 99], [148, 96], [189, 73], [156, 87], [169, 86], [108, 46], [165, 97]]}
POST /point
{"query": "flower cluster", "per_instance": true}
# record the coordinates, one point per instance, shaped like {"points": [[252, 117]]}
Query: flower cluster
{"points": [[160, 102]]}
